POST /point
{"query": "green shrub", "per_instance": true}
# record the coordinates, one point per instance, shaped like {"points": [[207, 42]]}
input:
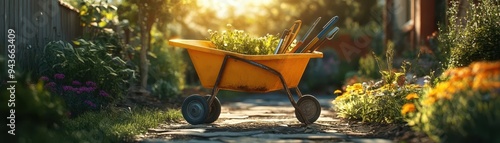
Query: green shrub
{"points": [[164, 89], [381, 101], [368, 66], [167, 73], [36, 110], [238, 41], [473, 38], [379, 105], [89, 62]]}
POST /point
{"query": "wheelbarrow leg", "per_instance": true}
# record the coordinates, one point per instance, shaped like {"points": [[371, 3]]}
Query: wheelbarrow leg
{"points": [[298, 92], [215, 90], [294, 104]]}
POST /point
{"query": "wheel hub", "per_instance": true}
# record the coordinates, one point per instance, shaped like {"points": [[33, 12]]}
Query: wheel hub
{"points": [[195, 109], [308, 108]]}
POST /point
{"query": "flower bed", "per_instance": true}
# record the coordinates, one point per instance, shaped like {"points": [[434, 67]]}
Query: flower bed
{"points": [[464, 108], [369, 103]]}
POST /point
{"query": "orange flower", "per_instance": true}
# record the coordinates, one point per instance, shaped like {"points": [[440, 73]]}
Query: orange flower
{"points": [[408, 107], [488, 85], [411, 96], [464, 72], [432, 93], [444, 95], [484, 66], [495, 84], [479, 85], [430, 101], [452, 89]]}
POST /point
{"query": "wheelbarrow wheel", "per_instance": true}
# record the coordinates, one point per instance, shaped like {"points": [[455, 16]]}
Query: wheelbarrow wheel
{"points": [[195, 109], [310, 108], [214, 113]]}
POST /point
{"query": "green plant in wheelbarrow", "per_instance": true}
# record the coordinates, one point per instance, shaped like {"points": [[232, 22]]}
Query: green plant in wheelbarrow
{"points": [[238, 41]]}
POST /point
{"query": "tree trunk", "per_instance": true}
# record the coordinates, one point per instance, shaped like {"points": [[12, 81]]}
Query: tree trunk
{"points": [[144, 64]]}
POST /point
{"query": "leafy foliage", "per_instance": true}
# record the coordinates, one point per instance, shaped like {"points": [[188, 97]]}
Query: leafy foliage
{"points": [[240, 42], [369, 104], [41, 116], [90, 62], [98, 19], [474, 37], [96, 14], [380, 101], [368, 66], [166, 80], [36, 110], [464, 108]]}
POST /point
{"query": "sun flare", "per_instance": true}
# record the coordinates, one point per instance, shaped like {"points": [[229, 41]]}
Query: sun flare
{"points": [[227, 8]]}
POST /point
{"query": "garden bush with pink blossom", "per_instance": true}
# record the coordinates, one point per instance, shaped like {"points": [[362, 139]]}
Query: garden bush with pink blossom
{"points": [[87, 76], [79, 96]]}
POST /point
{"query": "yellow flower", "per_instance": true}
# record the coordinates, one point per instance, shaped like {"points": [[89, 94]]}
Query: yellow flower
{"points": [[349, 88], [358, 86], [337, 92], [339, 98], [408, 107], [411, 96]]}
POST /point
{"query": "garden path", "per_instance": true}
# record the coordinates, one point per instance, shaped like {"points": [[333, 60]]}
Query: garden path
{"points": [[267, 118]]}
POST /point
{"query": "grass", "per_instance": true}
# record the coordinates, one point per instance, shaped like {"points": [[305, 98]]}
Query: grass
{"points": [[112, 125]]}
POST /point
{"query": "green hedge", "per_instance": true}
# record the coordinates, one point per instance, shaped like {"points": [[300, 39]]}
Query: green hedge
{"points": [[473, 37]]}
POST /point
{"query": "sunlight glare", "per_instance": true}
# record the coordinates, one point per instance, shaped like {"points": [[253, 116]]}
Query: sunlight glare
{"points": [[227, 8]]}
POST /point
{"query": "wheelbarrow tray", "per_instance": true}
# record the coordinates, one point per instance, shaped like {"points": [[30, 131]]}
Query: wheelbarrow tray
{"points": [[239, 75]]}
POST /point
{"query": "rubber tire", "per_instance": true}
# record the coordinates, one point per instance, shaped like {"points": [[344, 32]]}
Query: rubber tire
{"points": [[195, 109], [310, 107], [214, 114]]}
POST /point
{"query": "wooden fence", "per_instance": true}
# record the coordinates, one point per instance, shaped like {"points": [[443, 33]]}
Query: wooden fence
{"points": [[36, 22]]}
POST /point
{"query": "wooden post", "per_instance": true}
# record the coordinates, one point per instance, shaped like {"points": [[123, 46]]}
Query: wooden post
{"points": [[425, 20], [388, 18]]}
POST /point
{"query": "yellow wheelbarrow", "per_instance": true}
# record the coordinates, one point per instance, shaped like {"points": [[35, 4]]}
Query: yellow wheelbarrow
{"points": [[219, 69]]}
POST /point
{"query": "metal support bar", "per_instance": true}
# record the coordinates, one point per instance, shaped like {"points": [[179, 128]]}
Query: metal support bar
{"points": [[215, 90], [298, 92]]}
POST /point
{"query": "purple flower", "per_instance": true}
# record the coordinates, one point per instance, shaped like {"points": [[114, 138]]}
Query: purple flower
{"points": [[67, 88], [91, 84], [51, 84], [75, 82], [103, 93], [86, 89], [88, 102], [44, 78], [59, 76], [83, 89]]}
